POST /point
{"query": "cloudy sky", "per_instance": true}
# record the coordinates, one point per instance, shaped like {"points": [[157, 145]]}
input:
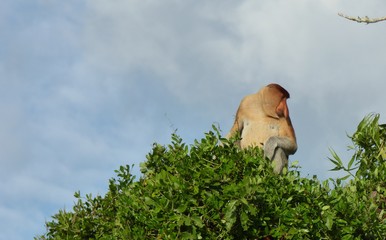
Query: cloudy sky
{"points": [[87, 86]]}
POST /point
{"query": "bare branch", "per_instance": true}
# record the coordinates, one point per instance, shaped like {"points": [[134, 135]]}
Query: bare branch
{"points": [[365, 19]]}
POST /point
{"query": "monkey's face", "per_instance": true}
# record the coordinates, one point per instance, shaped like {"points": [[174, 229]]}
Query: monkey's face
{"points": [[274, 101]]}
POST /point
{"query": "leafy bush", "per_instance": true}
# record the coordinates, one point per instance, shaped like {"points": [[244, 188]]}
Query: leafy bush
{"points": [[217, 191]]}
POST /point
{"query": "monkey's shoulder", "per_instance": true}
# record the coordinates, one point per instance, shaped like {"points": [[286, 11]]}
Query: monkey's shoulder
{"points": [[251, 101]]}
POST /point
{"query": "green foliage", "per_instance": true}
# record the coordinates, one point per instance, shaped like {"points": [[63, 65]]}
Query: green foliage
{"points": [[369, 159], [217, 191]]}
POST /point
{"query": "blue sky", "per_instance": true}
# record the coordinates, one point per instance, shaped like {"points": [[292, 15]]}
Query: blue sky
{"points": [[87, 86]]}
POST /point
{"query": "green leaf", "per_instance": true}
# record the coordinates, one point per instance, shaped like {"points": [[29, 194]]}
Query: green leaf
{"points": [[197, 221], [351, 162], [329, 222], [345, 177], [324, 208]]}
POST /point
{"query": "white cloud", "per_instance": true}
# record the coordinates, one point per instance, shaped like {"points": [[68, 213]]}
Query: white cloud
{"points": [[320, 57]]}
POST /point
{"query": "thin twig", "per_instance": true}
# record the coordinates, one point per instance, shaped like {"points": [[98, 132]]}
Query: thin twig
{"points": [[365, 19]]}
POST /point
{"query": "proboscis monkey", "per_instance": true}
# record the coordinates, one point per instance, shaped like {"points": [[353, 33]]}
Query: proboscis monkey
{"points": [[262, 119]]}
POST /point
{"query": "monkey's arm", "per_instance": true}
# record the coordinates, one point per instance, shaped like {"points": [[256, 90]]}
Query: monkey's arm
{"points": [[288, 145], [279, 160], [237, 127]]}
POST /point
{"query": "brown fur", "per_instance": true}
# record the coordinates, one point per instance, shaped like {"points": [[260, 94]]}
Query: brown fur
{"points": [[264, 115]]}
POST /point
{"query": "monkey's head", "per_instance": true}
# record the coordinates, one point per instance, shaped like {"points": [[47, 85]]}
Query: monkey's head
{"points": [[277, 88], [274, 99]]}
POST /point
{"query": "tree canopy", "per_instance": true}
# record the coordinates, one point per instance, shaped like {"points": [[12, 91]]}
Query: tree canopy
{"points": [[210, 190]]}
